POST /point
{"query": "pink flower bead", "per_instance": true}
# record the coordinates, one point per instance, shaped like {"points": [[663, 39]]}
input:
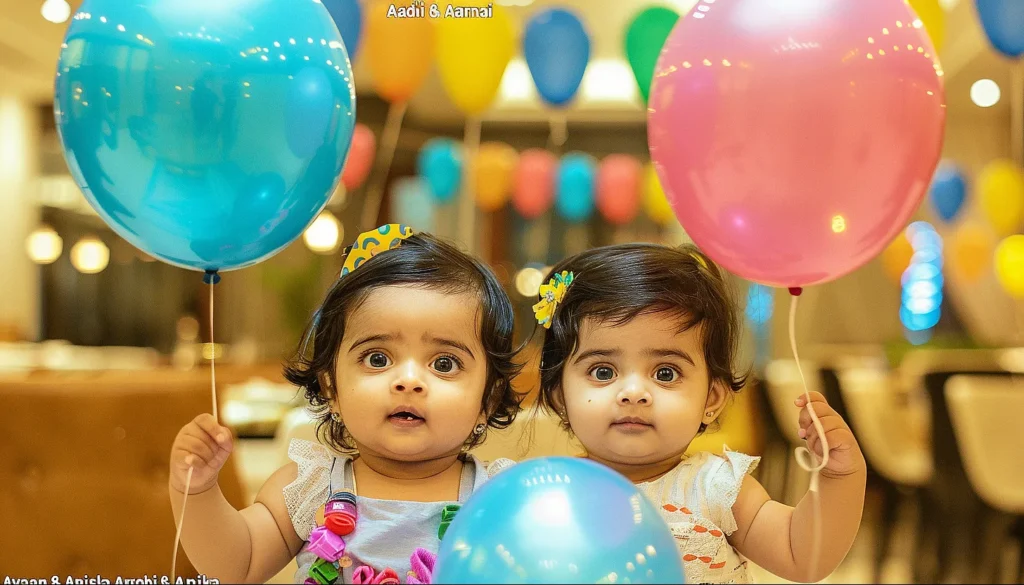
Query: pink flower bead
{"points": [[326, 544]]}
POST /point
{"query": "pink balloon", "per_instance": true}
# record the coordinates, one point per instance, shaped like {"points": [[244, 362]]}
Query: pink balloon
{"points": [[534, 189], [360, 157], [618, 188], [795, 139]]}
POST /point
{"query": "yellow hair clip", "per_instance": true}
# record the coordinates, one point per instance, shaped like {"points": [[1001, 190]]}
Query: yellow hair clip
{"points": [[551, 294], [700, 260], [373, 242]]}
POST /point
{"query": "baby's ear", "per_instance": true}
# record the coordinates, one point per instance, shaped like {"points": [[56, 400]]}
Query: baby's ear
{"points": [[718, 394], [325, 385]]}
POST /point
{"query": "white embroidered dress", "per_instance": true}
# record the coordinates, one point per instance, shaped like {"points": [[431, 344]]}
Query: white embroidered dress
{"points": [[696, 500]]}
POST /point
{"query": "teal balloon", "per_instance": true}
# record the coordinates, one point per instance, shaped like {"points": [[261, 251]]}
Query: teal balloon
{"points": [[207, 134], [558, 520], [412, 203], [576, 186], [440, 164]]}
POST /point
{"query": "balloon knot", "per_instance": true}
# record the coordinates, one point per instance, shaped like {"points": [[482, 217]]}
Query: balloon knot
{"points": [[211, 277], [795, 290]]}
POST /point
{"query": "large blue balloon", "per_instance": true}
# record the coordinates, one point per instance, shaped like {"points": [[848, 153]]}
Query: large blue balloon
{"points": [[440, 163], [557, 49], [576, 183], [558, 520], [948, 191], [1003, 21], [207, 133], [348, 16]]}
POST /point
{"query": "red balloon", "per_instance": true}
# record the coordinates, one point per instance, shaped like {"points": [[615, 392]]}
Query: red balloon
{"points": [[360, 157], [795, 139], [618, 188], [534, 190]]}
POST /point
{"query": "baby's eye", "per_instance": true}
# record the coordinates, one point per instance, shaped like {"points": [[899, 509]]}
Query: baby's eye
{"points": [[377, 360], [666, 375], [602, 373], [446, 364]]}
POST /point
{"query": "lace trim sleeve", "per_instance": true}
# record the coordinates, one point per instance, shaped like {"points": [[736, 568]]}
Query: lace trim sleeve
{"points": [[309, 490], [498, 465], [724, 481]]}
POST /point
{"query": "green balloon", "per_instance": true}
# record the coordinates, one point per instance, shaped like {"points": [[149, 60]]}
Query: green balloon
{"points": [[644, 39]]}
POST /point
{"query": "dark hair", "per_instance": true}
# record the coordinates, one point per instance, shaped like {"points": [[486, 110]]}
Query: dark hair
{"points": [[421, 260], [618, 283]]}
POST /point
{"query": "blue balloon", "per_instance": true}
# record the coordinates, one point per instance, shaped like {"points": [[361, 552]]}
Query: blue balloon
{"points": [[557, 49], [1003, 21], [575, 187], [948, 191], [558, 520], [440, 163], [413, 204], [209, 136], [348, 16]]}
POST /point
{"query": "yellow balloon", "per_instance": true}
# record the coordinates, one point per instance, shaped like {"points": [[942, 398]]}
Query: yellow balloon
{"points": [[400, 50], [933, 17], [495, 167], [896, 257], [472, 53], [655, 203], [1010, 265], [970, 251], [1001, 190]]}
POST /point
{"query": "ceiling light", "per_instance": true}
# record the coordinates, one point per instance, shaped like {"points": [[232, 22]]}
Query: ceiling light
{"points": [[56, 11], [985, 93]]}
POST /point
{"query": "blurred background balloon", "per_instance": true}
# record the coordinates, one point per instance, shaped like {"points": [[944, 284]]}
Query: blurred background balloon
{"points": [[1010, 265], [440, 164], [618, 188], [745, 153], [413, 204], [1001, 191], [896, 257], [948, 191], [472, 54], [495, 170], [195, 152], [969, 252], [1003, 22], [348, 17], [557, 49], [645, 37], [534, 188], [586, 525], [400, 51], [577, 174], [360, 157], [656, 204], [933, 18]]}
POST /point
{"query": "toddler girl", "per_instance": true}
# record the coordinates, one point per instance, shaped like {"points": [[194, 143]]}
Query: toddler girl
{"points": [[637, 361], [411, 361]]}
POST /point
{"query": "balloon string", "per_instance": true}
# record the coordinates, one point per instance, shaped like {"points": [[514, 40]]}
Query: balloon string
{"points": [[557, 137], [191, 468], [804, 457], [389, 144], [467, 209]]}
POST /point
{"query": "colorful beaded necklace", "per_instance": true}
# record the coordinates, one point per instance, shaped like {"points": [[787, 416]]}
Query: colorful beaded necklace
{"points": [[336, 520]]}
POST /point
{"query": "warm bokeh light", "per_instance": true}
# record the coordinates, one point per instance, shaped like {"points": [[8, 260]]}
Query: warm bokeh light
{"points": [[528, 281], [324, 235], [56, 11], [44, 245], [985, 93], [90, 255]]}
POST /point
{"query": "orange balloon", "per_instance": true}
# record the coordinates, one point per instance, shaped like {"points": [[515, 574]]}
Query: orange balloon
{"points": [[896, 257], [495, 167], [400, 50], [618, 188], [970, 251]]}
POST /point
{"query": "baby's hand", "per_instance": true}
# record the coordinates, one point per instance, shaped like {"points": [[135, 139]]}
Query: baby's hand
{"points": [[844, 456], [204, 446]]}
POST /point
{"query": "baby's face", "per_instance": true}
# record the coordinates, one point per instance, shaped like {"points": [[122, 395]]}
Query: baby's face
{"points": [[635, 394], [411, 373]]}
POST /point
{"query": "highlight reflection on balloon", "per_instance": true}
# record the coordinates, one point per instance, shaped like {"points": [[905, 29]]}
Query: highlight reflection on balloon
{"points": [[558, 520], [202, 133]]}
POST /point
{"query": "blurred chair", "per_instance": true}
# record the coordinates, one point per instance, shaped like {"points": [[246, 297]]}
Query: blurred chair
{"points": [[986, 416], [84, 460], [897, 453]]}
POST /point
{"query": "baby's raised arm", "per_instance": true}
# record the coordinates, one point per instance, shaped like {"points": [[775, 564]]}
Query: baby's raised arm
{"points": [[247, 546]]}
